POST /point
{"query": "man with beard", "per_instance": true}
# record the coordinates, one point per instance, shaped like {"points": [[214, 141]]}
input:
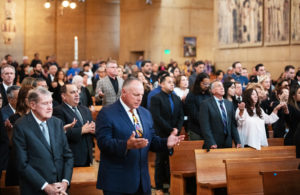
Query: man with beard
{"points": [[147, 71], [237, 74]]}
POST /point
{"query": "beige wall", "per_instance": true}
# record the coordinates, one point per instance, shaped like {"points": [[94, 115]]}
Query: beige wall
{"points": [[162, 25], [273, 57]]}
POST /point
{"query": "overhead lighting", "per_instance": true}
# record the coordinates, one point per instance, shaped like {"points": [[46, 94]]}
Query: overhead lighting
{"points": [[47, 5], [73, 5], [65, 3]]}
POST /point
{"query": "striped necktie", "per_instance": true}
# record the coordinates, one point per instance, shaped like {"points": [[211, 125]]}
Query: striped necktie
{"points": [[224, 117], [137, 126]]}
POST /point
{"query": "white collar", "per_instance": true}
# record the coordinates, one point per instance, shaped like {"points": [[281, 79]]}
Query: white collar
{"points": [[12, 108], [126, 107], [5, 86], [36, 119]]}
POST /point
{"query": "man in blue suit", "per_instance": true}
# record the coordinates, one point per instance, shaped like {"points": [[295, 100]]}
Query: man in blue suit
{"points": [[125, 134], [10, 108]]}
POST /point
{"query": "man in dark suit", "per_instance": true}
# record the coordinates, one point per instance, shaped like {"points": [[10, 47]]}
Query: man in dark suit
{"points": [[43, 157], [217, 119], [8, 73], [10, 108], [260, 71], [167, 112], [51, 74], [4, 147], [80, 136], [125, 134]]}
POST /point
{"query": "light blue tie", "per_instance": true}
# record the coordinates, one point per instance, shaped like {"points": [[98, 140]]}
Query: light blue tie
{"points": [[45, 131]]}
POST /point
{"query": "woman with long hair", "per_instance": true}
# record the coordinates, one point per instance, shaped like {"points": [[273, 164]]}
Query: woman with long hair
{"points": [[59, 80], [251, 120], [182, 87], [199, 92]]}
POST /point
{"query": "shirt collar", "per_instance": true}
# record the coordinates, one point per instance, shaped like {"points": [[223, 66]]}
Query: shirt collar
{"points": [[71, 107], [6, 86], [36, 119], [12, 108], [217, 100], [125, 106]]}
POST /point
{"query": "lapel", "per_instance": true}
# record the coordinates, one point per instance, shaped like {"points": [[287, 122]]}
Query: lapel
{"points": [[119, 85], [70, 111], [123, 115], [227, 106], [216, 107], [141, 116], [51, 127], [84, 117], [37, 131], [167, 102], [110, 86]]}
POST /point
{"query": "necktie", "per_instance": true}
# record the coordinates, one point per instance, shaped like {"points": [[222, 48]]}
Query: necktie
{"points": [[137, 126], [45, 131], [224, 117], [78, 114], [171, 102]]}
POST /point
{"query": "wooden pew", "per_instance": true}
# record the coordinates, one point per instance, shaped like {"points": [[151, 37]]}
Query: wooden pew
{"points": [[210, 168], [84, 181], [9, 190], [182, 165], [243, 175], [151, 167], [281, 182], [276, 141]]}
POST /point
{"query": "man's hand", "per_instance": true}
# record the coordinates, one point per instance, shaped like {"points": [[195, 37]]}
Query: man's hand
{"points": [[62, 186], [52, 189], [173, 139], [70, 125], [100, 93], [136, 143], [88, 127]]}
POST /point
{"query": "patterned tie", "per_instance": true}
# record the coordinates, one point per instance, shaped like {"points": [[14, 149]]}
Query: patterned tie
{"points": [[45, 131], [138, 128], [78, 114], [224, 117]]}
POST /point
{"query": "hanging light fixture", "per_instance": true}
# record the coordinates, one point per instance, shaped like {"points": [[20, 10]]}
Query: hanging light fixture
{"points": [[65, 3], [73, 5], [47, 4]]}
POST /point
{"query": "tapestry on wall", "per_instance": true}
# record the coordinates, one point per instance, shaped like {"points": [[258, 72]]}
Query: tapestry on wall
{"points": [[189, 46], [277, 22], [295, 22], [8, 25]]}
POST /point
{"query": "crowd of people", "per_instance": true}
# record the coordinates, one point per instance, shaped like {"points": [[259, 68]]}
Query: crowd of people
{"points": [[139, 101]]}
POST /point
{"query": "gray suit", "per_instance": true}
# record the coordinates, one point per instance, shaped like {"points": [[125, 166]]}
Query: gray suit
{"points": [[212, 126], [38, 162], [107, 88]]}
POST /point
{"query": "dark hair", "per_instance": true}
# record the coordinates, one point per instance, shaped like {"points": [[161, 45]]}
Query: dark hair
{"points": [[56, 75], [249, 102], [196, 89], [227, 85], [10, 90], [86, 64], [163, 77], [293, 92], [297, 75], [63, 88], [196, 64], [37, 80], [162, 74], [234, 63], [21, 106], [144, 62], [178, 80], [288, 67], [173, 69], [219, 72], [6, 56], [258, 66]]}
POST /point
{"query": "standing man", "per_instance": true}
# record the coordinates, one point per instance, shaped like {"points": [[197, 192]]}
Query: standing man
{"points": [[167, 112], [80, 136], [43, 156], [217, 119], [8, 74], [52, 72], [237, 74], [109, 88], [260, 71], [198, 68], [125, 134], [147, 71], [289, 71], [10, 108]]}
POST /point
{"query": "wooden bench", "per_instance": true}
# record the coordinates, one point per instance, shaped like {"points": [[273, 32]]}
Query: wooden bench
{"points": [[151, 167], [182, 165], [276, 141], [11, 190], [84, 181], [281, 182], [243, 175], [210, 168]]}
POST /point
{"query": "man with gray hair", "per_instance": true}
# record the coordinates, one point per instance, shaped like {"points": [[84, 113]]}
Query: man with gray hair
{"points": [[8, 74], [217, 119], [10, 108], [44, 159]]}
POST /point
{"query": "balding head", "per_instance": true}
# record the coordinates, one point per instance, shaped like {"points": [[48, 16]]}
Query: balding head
{"points": [[132, 92]]}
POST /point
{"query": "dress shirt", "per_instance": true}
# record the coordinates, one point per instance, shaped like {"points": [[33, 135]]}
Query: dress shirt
{"points": [[14, 111], [6, 86], [130, 114], [217, 102]]}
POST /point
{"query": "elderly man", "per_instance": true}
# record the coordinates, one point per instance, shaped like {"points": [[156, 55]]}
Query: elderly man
{"points": [[10, 108], [217, 119], [125, 134], [8, 74], [109, 88], [80, 136], [43, 156]]}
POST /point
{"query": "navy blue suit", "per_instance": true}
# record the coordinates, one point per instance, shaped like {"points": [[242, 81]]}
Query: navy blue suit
{"points": [[6, 112], [121, 170]]}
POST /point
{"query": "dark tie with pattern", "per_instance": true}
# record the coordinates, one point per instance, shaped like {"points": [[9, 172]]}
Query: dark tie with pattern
{"points": [[224, 117], [137, 126]]}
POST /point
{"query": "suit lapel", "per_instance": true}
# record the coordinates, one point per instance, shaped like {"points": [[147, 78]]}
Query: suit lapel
{"points": [[51, 135], [124, 116], [84, 117], [110, 84], [37, 130], [141, 116], [73, 113], [216, 107]]}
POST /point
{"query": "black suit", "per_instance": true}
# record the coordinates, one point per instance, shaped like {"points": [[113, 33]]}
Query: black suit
{"points": [[212, 126], [253, 79], [38, 162], [80, 144], [4, 147], [3, 94], [164, 122]]}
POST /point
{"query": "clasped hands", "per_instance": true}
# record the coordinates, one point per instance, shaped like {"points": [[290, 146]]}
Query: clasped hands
{"points": [[56, 188], [137, 143]]}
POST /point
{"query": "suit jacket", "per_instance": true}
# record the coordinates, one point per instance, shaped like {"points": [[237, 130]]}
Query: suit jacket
{"points": [[4, 147], [6, 112], [3, 94], [80, 144], [124, 170], [107, 88], [38, 162], [164, 119], [253, 79], [212, 126]]}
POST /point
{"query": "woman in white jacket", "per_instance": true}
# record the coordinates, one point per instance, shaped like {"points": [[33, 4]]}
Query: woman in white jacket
{"points": [[251, 120]]}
